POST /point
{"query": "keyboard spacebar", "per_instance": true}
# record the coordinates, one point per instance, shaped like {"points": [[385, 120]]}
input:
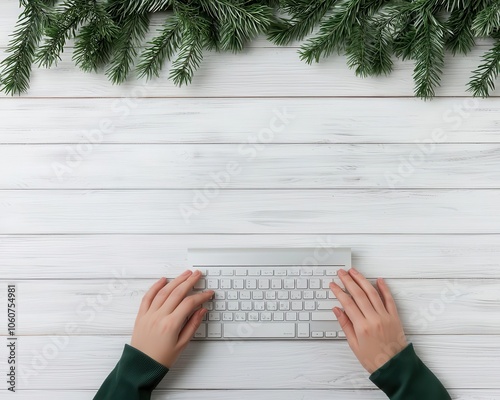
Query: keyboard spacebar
{"points": [[259, 330]]}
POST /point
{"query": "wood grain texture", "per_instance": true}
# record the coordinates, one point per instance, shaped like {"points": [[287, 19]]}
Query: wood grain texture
{"points": [[325, 394], [312, 120], [109, 307], [150, 256], [256, 72], [249, 211], [82, 362], [245, 166]]}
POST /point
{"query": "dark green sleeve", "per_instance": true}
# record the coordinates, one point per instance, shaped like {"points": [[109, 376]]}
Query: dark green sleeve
{"points": [[405, 377], [134, 378]]}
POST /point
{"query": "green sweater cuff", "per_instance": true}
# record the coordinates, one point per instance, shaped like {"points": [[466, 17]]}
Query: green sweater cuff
{"points": [[135, 376], [406, 377]]}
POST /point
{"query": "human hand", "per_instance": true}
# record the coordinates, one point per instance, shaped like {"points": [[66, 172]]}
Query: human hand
{"points": [[168, 318], [370, 320]]}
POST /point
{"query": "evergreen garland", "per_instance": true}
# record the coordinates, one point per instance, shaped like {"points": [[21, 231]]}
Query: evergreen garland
{"points": [[109, 36]]}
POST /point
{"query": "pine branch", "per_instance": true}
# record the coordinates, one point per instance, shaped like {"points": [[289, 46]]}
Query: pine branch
{"points": [[483, 79], [160, 49], [16, 67], [238, 23], [94, 42], [428, 52], [487, 20], [145, 6], [69, 16], [462, 38], [332, 33], [132, 30], [301, 23], [188, 59]]}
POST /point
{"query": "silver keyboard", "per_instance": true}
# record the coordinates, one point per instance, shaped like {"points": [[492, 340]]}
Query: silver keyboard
{"points": [[277, 302]]}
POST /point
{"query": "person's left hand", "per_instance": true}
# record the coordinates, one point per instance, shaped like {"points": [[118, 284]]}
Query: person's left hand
{"points": [[168, 318]]}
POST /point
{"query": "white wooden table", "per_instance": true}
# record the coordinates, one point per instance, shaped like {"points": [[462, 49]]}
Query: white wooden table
{"points": [[86, 228]]}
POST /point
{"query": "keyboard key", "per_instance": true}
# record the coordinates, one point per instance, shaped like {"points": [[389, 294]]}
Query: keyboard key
{"points": [[263, 283], [268, 330], [265, 316], [293, 272], [213, 316], [254, 272], [321, 294], [232, 306], [227, 272], [331, 295], [270, 295], [296, 305], [201, 284], [208, 305], [266, 272], [289, 283], [246, 305], [323, 316], [309, 305], [258, 295], [303, 316], [258, 306], [239, 316], [341, 334], [295, 295], [244, 295], [284, 305], [251, 283], [214, 272], [238, 284], [331, 271], [316, 334], [276, 283], [301, 283], [318, 271], [232, 295], [227, 316], [280, 272], [331, 334], [220, 306], [306, 272], [240, 272], [201, 332], [291, 316], [253, 316], [302, 330], [283, 295], [278, 316], [212, 283], [214, 330], [271, 306], [325, 283], [308, 295], [219, 295], [314, 283], [225, 283]]}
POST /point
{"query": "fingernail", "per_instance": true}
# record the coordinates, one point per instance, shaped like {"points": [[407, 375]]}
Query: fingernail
{"points": [[354, 271], [187, 272], [342, 272]]}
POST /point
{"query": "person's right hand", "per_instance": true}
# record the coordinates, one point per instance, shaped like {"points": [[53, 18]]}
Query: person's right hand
{"points": [[168, 318], [370, 321]]}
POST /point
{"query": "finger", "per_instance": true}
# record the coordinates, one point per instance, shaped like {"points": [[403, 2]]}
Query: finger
{"points": [[347, 327], [191, 326], [357, 294], [350, 307], [190, 304], [180, 293], [150, 295], [369, 290], [389, 303], [167, 290]]}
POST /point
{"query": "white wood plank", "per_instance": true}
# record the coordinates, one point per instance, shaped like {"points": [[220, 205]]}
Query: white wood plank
{"points": [[201, 394], [97, 307], [230, 121], [149, 256], [275, 166], [82, 362], [313, 120], [249, 211], [256, 72]]}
